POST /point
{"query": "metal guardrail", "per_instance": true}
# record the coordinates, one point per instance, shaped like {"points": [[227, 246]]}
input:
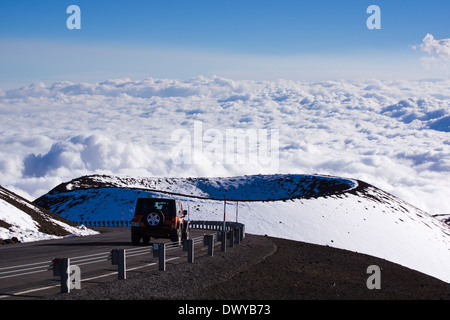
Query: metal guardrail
{"points": [[63, 267], [21, 270], [195, 224], [107, 223]]}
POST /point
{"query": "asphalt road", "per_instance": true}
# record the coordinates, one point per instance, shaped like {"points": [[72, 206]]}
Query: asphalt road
{"points": [[41, 253]]}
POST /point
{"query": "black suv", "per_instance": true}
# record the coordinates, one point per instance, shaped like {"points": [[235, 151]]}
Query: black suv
{"points": [[158, 218]]}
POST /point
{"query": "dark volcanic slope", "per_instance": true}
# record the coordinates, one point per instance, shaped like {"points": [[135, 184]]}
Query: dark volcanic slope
{"points": [[304, 271]]}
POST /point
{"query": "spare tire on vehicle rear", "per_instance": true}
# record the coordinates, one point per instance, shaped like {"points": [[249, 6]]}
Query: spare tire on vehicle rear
{"points": [[154, 218]]}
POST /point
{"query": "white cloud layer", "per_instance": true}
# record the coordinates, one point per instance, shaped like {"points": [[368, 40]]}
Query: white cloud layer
{"points": [[393, 134]]}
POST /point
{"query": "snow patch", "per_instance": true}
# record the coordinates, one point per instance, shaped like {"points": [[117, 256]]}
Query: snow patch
{"points": [[15, 222]]}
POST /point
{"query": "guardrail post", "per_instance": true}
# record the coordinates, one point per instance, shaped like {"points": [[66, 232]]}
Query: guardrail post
{"points": [[162, 256], [231, 238], [122, 264], [238, 236], [223, 238], [190, 249], [64, 266], [208, 240], [118, 258], [242, 232], [61, 268], [159, 250]]}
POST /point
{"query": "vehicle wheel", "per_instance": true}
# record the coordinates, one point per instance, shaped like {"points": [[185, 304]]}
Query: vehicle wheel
{"points": [[135, 238], [154, 218]]}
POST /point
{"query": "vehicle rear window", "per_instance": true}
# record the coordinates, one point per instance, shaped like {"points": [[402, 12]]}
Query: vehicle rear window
{"points": [[145, 205]]}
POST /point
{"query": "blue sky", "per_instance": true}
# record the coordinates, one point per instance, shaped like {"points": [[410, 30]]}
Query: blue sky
{"points": [[245, 39]]}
